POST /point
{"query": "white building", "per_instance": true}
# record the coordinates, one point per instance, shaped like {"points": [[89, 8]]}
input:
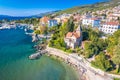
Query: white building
{"points": [[94, 22], [65, 16], [62, 17], [52, 22], [58, 18], [74, 39], [109, 27]]}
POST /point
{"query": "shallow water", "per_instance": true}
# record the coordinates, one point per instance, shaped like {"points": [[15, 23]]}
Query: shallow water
{"points": [[15, 47]]}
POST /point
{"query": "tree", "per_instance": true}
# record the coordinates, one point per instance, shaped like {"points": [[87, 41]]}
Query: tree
{"points": [[113, 41], [102, 62], [43, 29], [89, 49], [116, 57], [70, 25], [37, 31], [63, 30]]}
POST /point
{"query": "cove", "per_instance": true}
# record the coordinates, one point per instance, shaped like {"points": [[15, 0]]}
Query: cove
{"points": [[15, 47]]}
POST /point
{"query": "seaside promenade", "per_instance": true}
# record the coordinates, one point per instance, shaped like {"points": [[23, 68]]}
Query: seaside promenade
{"points": [[82, 65]]}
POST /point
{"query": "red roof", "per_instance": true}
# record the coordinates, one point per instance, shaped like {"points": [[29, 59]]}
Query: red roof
{"points": [[94, 18], [76, 35], [45, 19], [70, 34], [112, 23]]}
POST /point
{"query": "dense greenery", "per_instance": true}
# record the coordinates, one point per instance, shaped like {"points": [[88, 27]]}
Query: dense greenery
{"points": [[37, 31], [70, 25], [41, 30], [93, 44], [114, 49], [116, 79], [102, 62], [60, 31], [94, 47], [92, 7], [107, 60]]}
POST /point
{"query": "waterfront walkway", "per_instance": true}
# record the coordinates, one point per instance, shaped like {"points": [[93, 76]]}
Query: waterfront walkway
{"points": [[82, 64]]}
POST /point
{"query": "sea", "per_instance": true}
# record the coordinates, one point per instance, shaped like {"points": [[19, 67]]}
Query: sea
{"points": [[15, 47]]}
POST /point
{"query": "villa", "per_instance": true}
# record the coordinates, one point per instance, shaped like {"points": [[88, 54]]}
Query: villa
{"points": [[73, 39], [52, 22], [63, 16], [94, 22], [44, 20], [112, 17], [58, 18], [110, 27]]}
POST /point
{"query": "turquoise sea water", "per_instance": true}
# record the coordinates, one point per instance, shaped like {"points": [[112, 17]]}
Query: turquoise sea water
{"points": [[15, 47]]}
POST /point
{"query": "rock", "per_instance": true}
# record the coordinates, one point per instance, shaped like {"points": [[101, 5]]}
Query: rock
{"points": [[34, 38], [35, 56]]}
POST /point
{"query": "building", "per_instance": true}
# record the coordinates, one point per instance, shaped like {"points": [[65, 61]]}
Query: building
{"points": [[110, 27], [44, 20], [52, 22], [77, 18], [112, 17], [58, 18], [94, 22], [73, 39], [63, 18]]}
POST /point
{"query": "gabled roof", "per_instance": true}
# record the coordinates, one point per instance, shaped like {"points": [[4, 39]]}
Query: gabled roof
{"points": [[44, 19], [71, 34], [92, 18], [112, 23], [76, 33], [95, 19]]}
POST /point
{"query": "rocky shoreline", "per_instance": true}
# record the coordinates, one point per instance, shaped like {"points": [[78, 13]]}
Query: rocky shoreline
{"points": [[80, 65], [79, 72]]}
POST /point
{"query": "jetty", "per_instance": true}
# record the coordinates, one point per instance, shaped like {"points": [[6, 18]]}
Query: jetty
{"points": [[37, 55]]}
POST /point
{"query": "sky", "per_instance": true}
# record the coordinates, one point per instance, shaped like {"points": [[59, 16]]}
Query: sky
{"points": [[33, 7]]}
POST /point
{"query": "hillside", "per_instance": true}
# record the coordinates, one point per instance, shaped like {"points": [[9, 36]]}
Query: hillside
{"points": [[91, 7], [24, 17]]}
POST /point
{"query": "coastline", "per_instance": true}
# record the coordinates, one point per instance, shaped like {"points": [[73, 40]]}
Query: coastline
{"points": [[85, 71], [80, 65], [80, 74], [78, 69]]}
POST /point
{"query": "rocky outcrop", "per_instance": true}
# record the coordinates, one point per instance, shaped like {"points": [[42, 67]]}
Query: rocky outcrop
{"points": [[34, 38], [37, 55]]}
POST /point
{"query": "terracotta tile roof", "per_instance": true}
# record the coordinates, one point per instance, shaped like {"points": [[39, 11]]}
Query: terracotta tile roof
{"points": [[76, 35], [112, 23], [45, 19], [94, 18], [70, 34]]}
